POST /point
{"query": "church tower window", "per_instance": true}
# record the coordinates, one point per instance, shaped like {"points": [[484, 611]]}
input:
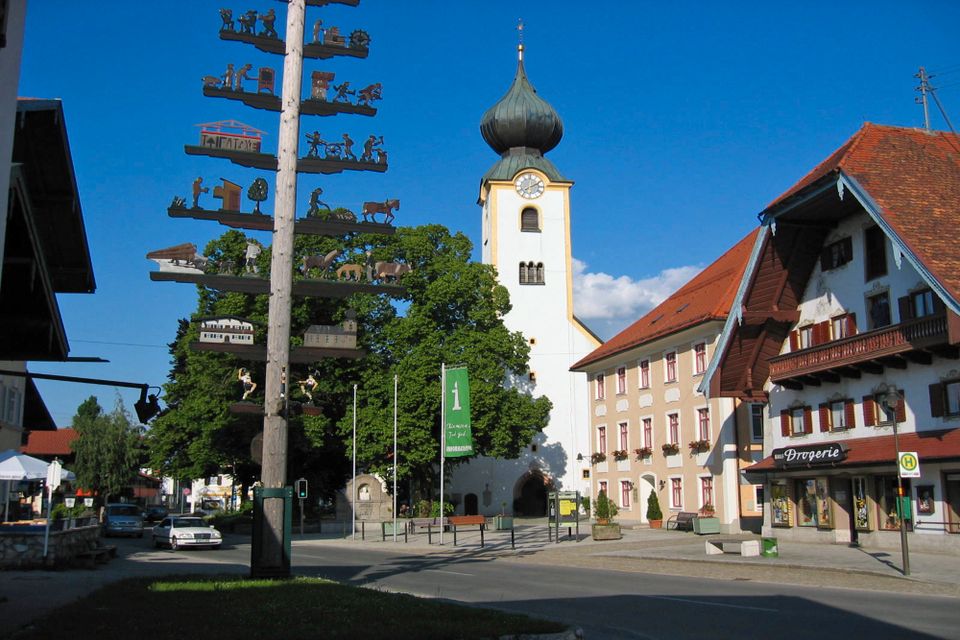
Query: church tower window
{"points": [[530, 220], [531, 273]]}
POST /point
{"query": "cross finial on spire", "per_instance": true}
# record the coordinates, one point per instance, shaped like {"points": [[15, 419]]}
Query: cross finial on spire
{"points": [[520, 39]]}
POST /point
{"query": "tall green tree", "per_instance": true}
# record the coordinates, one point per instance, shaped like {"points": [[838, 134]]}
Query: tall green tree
{"points": [[452, 313], [108, 449]]}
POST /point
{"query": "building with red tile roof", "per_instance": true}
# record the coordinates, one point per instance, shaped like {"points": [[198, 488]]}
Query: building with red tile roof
{"points": [[652, 432], [846, 327], [48, 445]]}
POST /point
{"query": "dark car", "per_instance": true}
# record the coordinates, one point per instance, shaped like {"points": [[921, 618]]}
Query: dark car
{"points": [[154, 513]]}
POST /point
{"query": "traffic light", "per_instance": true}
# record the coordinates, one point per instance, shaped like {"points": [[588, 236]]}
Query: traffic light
{"points": [[301, 486]]}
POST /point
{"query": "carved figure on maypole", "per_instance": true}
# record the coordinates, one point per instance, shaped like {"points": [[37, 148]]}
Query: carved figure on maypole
{"points": [[249, 386]]}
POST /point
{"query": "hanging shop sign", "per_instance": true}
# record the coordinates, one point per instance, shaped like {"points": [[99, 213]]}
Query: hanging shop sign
{"points": [[810, 456]]}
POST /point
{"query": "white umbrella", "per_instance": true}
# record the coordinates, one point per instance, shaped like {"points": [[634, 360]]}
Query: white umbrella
{"points": [[19, 466]]}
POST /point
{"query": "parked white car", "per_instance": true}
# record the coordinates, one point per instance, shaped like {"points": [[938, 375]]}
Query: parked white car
{"points": [[186, 531]]}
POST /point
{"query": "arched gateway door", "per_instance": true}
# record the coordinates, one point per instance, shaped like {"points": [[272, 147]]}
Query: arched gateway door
{"points": [[531, 494]]}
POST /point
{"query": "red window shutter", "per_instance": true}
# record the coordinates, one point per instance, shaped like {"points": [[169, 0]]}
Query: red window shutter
{"points": [[936, 400], [824, 417], [869, 411], [851, 324], [807, 420], [849, 413], [901, 410], [794, 340], [906, 311], [785, 423], [824, 332]]}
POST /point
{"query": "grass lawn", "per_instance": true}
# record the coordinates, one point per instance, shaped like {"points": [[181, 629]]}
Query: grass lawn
{"points": [[237, 608]]}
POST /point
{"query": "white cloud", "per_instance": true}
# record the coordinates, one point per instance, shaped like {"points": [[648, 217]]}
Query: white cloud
{"points": [[608, 304]]}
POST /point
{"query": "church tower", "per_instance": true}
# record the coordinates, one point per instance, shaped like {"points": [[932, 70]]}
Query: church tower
{"points": [[525, 204]]}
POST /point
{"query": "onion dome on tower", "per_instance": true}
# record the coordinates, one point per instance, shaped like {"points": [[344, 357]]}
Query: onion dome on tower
{"points": [[521, 127]]}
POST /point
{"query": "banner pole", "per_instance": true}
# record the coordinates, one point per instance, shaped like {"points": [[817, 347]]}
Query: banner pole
{"points": [[395, 457], [353, 490], [443, 436]]}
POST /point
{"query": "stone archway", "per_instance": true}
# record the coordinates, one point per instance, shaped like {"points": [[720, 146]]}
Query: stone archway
{"points": [[530, 494]]}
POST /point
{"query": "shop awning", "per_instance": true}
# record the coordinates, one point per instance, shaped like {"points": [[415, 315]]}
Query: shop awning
{"points": [[930, 446]]}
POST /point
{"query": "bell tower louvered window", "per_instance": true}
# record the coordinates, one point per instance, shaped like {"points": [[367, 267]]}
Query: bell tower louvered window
{"points": [[529, 219]]}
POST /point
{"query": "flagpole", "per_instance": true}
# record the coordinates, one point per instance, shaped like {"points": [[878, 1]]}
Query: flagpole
{"points": [[395, 457], [353, 485], [443, 436]]}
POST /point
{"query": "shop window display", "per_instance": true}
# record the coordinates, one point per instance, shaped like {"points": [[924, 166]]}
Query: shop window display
{"points": [[888, 516], [860, 515], [813, 503], [779, 504]]}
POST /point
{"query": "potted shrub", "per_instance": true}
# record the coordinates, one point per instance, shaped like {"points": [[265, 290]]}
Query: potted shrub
{"points": [[654, 514], [605, 510], [503, 522]]}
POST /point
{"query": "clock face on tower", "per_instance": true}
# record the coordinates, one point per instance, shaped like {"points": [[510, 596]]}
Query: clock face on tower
{"points": [[529, 185]]}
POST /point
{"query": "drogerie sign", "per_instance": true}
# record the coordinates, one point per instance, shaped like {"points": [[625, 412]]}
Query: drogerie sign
{"points": [[811, 455]]}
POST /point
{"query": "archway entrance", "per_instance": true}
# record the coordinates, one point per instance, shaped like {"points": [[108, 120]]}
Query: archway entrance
{"points": [[531, 494], [647, 486], [470, 505]]}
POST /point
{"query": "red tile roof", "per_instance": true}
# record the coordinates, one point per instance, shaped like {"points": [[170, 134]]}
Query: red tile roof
{"points": [[913, 176], [49, 443], [707, 296], [929, 445]]}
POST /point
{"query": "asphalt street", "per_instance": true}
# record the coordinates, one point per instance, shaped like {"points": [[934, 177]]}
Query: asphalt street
{"points": [[606, 601]]}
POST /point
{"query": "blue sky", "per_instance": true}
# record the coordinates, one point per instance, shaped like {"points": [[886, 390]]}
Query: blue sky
{"points": [[682, 120]]}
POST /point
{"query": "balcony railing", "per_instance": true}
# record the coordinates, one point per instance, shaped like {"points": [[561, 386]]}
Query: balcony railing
{"points": [[879, 343]]}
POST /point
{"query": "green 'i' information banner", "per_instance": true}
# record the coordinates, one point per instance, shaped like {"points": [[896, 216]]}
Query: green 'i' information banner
{"points": [[456, 419]]}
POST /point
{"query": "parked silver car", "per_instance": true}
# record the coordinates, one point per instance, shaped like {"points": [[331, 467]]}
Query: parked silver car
{"points": [[185, 531], [122, 519]]}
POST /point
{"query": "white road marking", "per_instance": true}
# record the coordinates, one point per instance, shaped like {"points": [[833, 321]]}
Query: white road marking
{"points": [[453, 573], [712, 604]]}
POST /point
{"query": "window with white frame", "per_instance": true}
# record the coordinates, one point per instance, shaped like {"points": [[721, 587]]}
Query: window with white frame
{"points": [[670, 366], [673, 428], [601, 392], [699, 357], [624, 436], [644, 374], [621, 380], [648, 432], [806, 336], [706, 491], [601, 439], [756, 422], [797, 424], [625, 487], [703, 423], [676, 493]]}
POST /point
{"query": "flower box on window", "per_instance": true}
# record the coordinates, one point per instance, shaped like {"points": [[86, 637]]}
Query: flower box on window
{"points": [[620, 455], [696, 446], [597, 458], [670, 448], [643, 452]]}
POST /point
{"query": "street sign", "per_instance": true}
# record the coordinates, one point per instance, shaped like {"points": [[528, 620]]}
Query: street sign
{"points": [[53, 475], [909, 464]]}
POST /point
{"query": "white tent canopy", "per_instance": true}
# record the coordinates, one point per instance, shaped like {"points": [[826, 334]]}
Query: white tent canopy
{"points": [[19, 466]]}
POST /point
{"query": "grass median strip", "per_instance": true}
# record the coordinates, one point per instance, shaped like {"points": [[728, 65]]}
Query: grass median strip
{"points": [[238, 608]]}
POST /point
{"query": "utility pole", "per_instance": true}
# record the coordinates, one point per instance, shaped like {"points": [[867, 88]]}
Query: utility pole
{"points": [[923, 88], [274, 470]]}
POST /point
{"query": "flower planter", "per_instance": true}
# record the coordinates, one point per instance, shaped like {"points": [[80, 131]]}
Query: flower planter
{"points": [[706, 524], [606, 532], [656, 524], [502, 523]]}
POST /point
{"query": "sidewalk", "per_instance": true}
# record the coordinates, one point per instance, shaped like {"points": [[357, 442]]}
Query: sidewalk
{"points": [[683, 553]]}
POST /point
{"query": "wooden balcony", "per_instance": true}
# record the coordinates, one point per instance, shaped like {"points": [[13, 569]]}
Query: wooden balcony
{"points": [[892, 346]]}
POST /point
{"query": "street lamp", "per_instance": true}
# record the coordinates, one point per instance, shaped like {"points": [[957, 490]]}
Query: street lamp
{"points": [[891, 400]]}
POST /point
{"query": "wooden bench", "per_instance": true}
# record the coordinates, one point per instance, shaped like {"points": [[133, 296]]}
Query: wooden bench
{"points": [[95, 556], [468, 521], [682, 521], [746, 548], [417, 525]]}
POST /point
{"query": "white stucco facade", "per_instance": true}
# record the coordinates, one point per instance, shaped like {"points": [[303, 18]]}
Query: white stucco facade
{"points": [[542, 310]]}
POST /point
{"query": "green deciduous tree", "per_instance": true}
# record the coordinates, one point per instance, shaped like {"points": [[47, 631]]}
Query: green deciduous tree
{"points": [[452, 313], [108, 449]]}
